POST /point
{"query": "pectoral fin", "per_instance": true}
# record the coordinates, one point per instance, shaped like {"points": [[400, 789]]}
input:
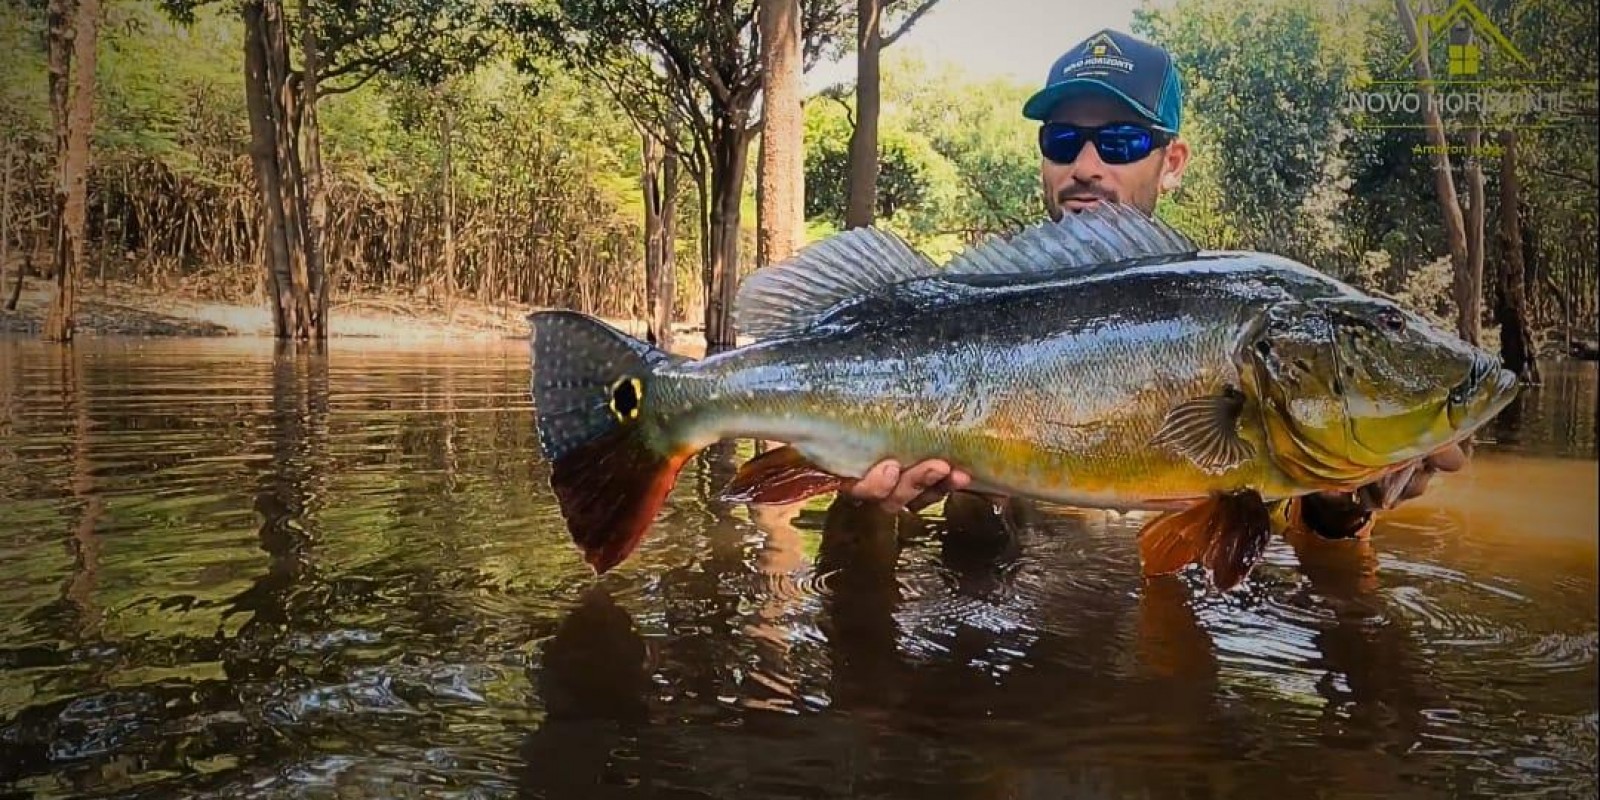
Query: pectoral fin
{"points": [[780, 476], [1206, 431], [1226, 534]]}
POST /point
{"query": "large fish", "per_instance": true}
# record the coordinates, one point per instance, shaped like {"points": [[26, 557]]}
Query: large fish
{"points": [[1100, 361]]}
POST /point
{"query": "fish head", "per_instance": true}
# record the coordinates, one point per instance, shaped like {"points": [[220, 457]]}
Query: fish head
{"points": [[1353, 387], [1409, 387]]}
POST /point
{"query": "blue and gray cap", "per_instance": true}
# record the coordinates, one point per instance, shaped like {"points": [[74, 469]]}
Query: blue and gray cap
{"points": [[1131, 70]]}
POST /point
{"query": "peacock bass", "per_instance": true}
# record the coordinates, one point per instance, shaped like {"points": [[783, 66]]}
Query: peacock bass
{"points": [[1100, 361]]}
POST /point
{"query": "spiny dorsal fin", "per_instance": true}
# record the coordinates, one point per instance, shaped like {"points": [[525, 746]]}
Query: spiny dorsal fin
{"points": [[1105, 234], [789, 297]]}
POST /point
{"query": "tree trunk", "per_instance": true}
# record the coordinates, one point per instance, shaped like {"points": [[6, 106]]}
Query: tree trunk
{"points": [[59, 65], [294, 273], [287, 116], [447, 122], [73, 189], [1530, 262], [863, 172], [730, 148], [780, 215], [1469, 285], [1443, 185], [1511, 308], [259, 102], [5, 215], [316, 192], [665, 310], [659, 183]]}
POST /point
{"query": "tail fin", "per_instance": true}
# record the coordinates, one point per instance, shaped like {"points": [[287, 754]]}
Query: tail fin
{"points": [[611, 468]]}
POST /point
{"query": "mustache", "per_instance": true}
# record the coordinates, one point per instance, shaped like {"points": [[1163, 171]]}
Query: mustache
{"points": [[1085, 190]]}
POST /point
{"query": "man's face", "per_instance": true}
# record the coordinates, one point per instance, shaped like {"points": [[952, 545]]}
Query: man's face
{"points": [[1088, 180]]}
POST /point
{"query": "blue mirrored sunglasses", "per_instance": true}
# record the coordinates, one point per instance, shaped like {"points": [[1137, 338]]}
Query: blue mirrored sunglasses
{"points": [[1118, 143]]}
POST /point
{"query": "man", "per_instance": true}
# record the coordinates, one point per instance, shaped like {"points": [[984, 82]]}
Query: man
{"points": [[1110, 112]]}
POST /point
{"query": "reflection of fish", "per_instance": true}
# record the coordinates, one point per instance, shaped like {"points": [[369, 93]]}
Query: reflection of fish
{"points": [[1100, 361]]}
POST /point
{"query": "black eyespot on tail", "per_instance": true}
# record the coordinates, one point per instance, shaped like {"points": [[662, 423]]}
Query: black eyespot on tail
{"points": [[609, 473], [625, 398]]}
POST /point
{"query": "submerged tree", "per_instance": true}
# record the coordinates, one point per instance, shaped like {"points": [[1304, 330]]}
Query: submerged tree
{"points": [[342, 46], [74, 25], [699, 64]]}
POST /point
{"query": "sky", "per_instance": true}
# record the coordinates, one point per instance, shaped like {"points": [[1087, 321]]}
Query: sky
{"points": [[997, 38]]}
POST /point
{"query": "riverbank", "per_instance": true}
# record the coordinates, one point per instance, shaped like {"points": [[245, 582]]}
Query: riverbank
{"points": [[126, 309]]}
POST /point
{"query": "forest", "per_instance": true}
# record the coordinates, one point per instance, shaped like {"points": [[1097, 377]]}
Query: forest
{"points": [[635, 158]]}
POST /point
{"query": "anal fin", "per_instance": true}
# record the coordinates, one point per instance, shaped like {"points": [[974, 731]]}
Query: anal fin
{"points": [[1226, 534], [778, 477]]}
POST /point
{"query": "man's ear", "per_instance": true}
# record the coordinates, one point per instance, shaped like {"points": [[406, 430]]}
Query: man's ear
{"points": [[1174, 159]]}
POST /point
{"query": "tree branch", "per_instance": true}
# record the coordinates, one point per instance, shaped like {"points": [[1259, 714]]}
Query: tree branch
{"points": [[924, 7], [1579, 179], [330, 90]]}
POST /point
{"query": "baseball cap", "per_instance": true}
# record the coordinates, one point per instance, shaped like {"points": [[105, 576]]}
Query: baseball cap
{"points": [[1129, 69]]}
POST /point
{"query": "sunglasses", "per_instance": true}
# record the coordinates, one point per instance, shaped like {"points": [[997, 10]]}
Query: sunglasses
{"points": [[1118, 143]]}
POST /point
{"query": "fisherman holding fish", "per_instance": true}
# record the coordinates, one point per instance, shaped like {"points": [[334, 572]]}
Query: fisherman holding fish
{"points": [[1109, 114], [1096, 359]]}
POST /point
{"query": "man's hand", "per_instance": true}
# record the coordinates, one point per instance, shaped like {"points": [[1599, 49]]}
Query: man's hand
{"points": [[1342, 515], [897, 489], [1449, 459]]}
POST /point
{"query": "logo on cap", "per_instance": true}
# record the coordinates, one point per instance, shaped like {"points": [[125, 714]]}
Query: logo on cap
{"points": [[1098, 45], [1100, 55]]}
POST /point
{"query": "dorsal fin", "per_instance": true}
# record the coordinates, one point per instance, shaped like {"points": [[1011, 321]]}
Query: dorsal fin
{"points": [[788, 297], [1105, 234]]}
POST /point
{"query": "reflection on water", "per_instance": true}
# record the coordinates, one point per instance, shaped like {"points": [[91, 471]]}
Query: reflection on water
{"points": [[230, 573]]}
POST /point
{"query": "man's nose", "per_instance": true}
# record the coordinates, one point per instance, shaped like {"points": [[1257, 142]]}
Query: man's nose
{"points": [[1087, 167]]}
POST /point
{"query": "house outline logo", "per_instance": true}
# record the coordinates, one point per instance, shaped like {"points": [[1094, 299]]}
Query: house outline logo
{"points": [[1100, 45], [1100, 55], [1464, 59]]}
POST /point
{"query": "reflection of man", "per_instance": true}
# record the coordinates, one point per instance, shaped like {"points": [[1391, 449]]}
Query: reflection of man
{"points": [[1110, 111]]}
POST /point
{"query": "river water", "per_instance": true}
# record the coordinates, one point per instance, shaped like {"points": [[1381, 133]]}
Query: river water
{"points": [[234, 574]]}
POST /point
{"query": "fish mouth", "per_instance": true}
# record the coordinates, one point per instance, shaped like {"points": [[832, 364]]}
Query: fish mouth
{"points": [[1485, 379], [1487, 389]]}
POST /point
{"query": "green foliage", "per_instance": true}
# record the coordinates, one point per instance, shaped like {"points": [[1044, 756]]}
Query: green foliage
{"points": [[978, 126], [917, 186], [957, 159], [1265, 81]]}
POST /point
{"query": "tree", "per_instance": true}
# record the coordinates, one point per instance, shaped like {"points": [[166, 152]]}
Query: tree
{"points": [[74, 120], [870, 42], [659, 180], [699, 63], [1511, 306], [920, 193], [343, 45], [1264, 83], [1443, 183]]}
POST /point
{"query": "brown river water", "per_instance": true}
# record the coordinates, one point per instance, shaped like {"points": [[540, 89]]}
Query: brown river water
{"points": [[230, 574]]}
